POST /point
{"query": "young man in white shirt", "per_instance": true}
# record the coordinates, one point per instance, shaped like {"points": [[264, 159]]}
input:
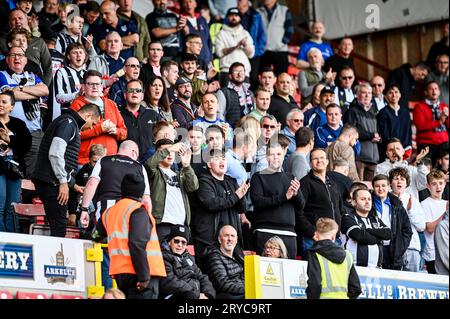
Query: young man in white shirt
{"points": [[434, 209]]}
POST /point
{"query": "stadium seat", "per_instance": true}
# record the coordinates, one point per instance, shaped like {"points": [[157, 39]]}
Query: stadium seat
{"points": [[30, 295], [56, 296], [44, 230], [30, 213], [5, 294]]}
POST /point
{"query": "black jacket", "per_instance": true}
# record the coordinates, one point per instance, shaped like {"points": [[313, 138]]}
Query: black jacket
{"points": [[335, 254], [184, 114], [401, 233], [271, 207], [355, 229], [226, 274], [184, 277], [279, 108], [138, 237], [67, 127], [390, 125], [403, 78], [218, 206], [321, 200], [140, 128]]}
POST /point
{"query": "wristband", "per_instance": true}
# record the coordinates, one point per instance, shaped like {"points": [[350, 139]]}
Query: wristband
{"points": [[84, 209]]}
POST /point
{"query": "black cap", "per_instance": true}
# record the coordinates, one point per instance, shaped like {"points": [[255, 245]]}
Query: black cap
{"points": [[178, 230], [233, 11], [182, 80], [49, 35], [133, 185], [326, 89]]}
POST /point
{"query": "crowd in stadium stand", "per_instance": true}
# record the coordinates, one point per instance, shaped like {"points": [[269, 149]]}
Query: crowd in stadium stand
{"points": [[187, 119]]}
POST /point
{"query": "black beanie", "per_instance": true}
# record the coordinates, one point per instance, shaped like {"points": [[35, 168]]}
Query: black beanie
{"points": [[133, 185], [178, 230]]}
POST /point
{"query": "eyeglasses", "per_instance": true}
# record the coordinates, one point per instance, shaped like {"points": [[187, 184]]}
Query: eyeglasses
{"points": [[322, 158], [93, 84], [271, 248], [377, 84], [267, 126], [133, 65], [180, 241], [298, 120], [14, 55], [131, 90], [346, 77]]}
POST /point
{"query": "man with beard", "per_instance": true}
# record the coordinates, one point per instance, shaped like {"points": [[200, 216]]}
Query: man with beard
{"points": [[199, 86], [235, 100], [233, 43], [164, 26], [116, 93], [182, 109]]}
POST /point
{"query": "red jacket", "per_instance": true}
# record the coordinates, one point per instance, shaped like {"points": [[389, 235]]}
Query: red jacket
{"points": [[425, 125], [95, 135]]}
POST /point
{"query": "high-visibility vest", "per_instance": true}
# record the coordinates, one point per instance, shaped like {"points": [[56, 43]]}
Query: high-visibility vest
{"points": [[335, 277], [116, 220]]}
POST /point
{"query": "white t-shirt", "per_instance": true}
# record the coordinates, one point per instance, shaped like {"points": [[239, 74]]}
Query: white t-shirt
{"points": [[174, 210], [433, 209]]}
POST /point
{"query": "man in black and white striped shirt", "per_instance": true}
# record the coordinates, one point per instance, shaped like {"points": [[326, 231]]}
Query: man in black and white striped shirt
{"points": [[67, 81], [365, 231]]}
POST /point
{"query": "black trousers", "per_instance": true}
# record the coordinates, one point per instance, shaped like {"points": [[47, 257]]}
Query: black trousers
{"points": [[279, 61], [260, 238], [254, 83], [431, 269], [56, 214], [127, 284]]}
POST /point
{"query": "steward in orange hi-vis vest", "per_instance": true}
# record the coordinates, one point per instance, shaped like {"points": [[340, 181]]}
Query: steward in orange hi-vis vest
{"points": [[117, 224]]}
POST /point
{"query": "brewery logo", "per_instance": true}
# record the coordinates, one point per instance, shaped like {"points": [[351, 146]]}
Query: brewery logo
{"points": [[59, 272]]}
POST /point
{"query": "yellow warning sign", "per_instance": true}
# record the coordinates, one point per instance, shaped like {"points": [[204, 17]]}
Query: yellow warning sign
{"points": [[271, 276]]}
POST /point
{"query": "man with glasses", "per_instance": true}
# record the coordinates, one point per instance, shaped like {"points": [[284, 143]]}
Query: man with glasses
{"points": [[152, 67], [378, 86], [277, 201], [110, 129], [184, 279], [294, 121], [27, 89], [138, 119], [235, 99], [440, 75], [269, 132], [282, 101], [321, 198], [132, 70], [344, 93]]}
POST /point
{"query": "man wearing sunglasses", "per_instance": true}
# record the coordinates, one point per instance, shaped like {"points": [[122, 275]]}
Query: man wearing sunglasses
{"points": [[378, 85], [138, 119], [269, 129], [344, 93], [184, 279], [132, 69]]}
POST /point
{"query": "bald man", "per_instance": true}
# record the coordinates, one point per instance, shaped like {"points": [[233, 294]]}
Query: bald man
{"points": [[282, 101], [127, 30], [378, 85]]}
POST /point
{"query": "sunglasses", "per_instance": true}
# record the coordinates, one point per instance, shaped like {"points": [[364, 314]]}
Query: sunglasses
{"points": [[133, 65], [376, 84], [178, 241], [267, 126], [297, 120], [347, 77], [134, 90]]}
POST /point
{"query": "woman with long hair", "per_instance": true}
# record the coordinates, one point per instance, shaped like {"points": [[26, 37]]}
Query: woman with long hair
{"points": [[155, 98]]}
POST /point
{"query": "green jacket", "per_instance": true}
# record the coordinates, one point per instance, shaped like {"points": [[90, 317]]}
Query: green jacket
{"points": [[186, 177], [141, 49]]}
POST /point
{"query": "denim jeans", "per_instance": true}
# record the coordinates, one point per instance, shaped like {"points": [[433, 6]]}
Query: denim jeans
{"points": [[9, 193], [106, 278]]}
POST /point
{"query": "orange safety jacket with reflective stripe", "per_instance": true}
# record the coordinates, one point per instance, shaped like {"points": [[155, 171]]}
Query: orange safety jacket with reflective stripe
{"points": [[116, 220]]}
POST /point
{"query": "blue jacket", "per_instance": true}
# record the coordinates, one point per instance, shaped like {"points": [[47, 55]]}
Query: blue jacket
{"points": [[315, 117], [257, 32], [203, 32], [325, 134]]}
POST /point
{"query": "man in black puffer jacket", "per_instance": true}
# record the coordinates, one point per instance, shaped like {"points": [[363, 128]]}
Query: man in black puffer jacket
{"points": [[225, 265], [184, 279]]}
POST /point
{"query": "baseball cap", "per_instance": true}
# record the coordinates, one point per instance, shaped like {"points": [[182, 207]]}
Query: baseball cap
{"points": [[233, 11], [326, 89], [182, 80]]}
